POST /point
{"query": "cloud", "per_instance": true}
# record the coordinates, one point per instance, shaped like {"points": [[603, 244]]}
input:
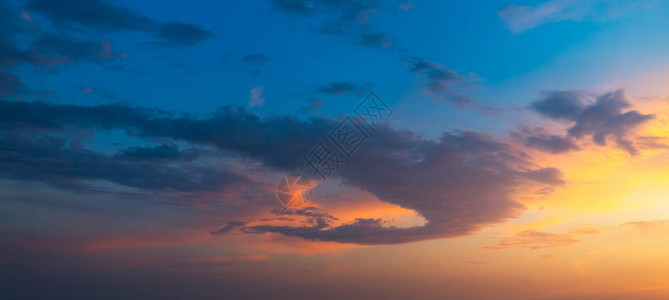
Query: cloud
{"points": [[358, 11], [256, 58], [440, 79], [406, 6], [348, 19], [550, 176], [521, 18], [548, 257], [294, 7], [374, 40], [104, 16], [312, 212], [652, 142], [440, 179], [445, 84], [458, 182], [551, 143], [561, 104], [314, 104], [182, 34], [231, 226], [166, 152], [9, 83], [649, 226], [316, 219], [342, 88], [72, 50], [51, 51], [23, 42], [256, 98], [601, 117], [51, 160], [535, 240], [95, 14], [13, 29]]}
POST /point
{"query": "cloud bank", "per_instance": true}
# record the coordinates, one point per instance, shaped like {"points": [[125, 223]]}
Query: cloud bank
{"points": [[458, 182]]}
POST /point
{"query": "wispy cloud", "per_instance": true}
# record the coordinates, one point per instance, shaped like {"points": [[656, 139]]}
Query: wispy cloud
{"points": [[256, 99], [522, 18], [347, 19], [536, 240], [102, 15]]}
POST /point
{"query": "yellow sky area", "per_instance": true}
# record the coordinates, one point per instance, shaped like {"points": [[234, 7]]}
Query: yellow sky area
{"points": [[628, 260], [605, 185], [578, 240]]}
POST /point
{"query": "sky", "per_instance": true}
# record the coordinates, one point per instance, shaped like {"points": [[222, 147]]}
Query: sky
{"points": [[287, 149]]}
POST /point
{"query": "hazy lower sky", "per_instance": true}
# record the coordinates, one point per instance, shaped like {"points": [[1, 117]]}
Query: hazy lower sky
{"points": [[448, 149]]}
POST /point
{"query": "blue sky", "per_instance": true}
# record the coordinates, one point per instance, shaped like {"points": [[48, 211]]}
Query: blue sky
{"points": [[502, 67]]}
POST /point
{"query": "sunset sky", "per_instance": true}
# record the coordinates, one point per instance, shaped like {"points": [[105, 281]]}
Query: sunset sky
{"points": [[521, 151]]}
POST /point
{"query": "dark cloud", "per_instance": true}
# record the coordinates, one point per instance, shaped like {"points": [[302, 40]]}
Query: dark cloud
{"points": [[317, 219], [34, 147], [311, 212], [40, 115], [183, 34], [446, 85], [551, 176], [458, 182], [53, 161], [561, 104], [374, 40], [9, 83], [167, 153], [440, 179], [102, 15], [44, 48], [552, 143], [51, 51], [295, 7], [600, 118], [256, 58], [348, 19], [314, 104], [95, 14], [11, 24], [68, 49], [342, 88], [230, 227], [354, 11], [229, 129], [440, 80]]}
